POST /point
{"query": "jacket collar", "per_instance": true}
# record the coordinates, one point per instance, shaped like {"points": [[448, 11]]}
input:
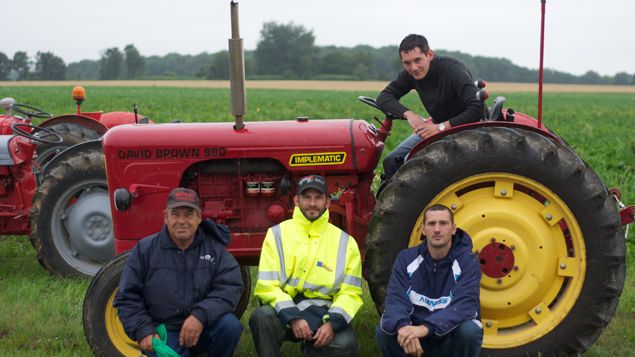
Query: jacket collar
{"points": [[311, 228]]}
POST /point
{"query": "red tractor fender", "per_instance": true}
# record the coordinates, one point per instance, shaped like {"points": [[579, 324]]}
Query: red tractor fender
{"points": [[112, 119], [101, 125], [527, 123], [79, 119]]}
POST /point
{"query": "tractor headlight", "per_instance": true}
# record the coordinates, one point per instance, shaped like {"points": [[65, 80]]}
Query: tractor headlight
{"points": [[123, 199]]}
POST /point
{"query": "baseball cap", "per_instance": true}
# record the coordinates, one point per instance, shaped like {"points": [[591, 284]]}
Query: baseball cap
{"points": [[183, 197], [312, 181]]}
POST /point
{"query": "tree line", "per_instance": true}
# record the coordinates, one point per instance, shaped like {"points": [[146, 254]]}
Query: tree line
{"points": [[284, 51]]}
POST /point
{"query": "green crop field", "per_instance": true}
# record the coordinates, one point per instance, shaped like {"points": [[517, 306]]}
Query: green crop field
{"points": [[41, 315]]}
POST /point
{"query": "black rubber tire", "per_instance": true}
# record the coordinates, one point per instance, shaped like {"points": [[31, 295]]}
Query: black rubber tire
{"points": [[530, 155], [95, 309], [72, 134], [52, 244]]}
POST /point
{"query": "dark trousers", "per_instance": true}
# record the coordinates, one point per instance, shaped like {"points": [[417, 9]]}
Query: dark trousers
{"points": [[464, 341], [269, 333], [219, 339]]}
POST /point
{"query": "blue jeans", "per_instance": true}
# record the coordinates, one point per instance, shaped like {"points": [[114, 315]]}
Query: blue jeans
{"points": [[464, 341], [396, 158], [219, 339]]}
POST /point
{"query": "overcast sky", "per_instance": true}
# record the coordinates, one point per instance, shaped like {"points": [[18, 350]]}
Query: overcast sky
{"points": [[581, 35]]}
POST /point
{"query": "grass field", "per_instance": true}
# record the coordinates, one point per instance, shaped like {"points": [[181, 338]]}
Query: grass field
{"points": [[41, 315]]}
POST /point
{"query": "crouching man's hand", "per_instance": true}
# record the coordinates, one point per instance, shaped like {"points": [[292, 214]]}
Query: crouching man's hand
{"points": [[301, 329], [146, 343], [408, 338], [324, 335], [190, 331]]}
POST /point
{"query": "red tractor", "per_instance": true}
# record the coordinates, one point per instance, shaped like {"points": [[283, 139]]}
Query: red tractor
{"points": [[546, 229], [25, 151]]}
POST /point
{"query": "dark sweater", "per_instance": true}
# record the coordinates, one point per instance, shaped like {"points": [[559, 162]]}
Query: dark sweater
{"points": [[447, 92]]}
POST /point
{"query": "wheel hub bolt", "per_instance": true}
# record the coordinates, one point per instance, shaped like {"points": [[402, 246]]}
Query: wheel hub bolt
{"points": [[563, 266], [503, 193], [538, 311], [499, 281], [493, 240], [516, 267], [549, 217], [453, 206], [488, 324], [512, 247]]}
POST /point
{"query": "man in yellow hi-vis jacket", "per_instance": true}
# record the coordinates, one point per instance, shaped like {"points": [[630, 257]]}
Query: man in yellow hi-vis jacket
{"points": [[309, 280]]}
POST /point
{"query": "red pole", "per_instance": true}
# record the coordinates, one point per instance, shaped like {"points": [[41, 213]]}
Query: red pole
{"points": [[542, 55]]}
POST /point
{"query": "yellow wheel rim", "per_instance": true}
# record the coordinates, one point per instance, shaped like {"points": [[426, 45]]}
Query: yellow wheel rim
{"points": [[531, 251], [116, 333]]}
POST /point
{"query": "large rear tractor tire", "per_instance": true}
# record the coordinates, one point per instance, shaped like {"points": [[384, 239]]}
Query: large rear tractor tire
{"points": [[72, 133], [71, 222], [102, 327], [546, 231]]}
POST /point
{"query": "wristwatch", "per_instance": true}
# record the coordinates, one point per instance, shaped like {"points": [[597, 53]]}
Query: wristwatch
{"points": [[326, 318], [441, 126]]}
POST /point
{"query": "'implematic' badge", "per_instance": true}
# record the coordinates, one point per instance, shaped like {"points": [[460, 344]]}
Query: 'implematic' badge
{"points": [[318, 158]]}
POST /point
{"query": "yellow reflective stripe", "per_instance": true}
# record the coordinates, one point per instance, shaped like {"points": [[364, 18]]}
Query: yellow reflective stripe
{"points": [[340, 264], [294, 282], [321, 288], [305, 304], [283, 272], [339, 310], [268, 275], [352, 280], [284, 305]]}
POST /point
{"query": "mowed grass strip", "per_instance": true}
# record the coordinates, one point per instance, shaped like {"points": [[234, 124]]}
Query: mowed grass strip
{"points": [[41, 315]]}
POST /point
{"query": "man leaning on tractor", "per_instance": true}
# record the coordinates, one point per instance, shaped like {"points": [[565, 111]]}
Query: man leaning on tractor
{"points": [[445, 87], [309, 280]]}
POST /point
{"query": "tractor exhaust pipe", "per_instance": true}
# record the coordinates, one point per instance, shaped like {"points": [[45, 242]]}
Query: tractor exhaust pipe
{"points": [[237, 70], [542, 56]]}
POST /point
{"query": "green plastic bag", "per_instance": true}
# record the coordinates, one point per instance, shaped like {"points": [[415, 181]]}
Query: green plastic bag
{"points": [[160, 346]]}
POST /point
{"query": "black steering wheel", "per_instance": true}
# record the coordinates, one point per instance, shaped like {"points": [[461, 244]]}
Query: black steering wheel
{"points": [[33, 135], [30, 111], [370, 101]]}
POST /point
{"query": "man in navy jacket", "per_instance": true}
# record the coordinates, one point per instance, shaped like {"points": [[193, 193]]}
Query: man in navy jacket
{"points": [[183, 277], [432, 301]]}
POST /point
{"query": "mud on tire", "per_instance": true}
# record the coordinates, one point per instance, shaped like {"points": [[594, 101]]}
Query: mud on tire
{"points": [[102, 327], [71, 224], [71, 133], [518, 190]]}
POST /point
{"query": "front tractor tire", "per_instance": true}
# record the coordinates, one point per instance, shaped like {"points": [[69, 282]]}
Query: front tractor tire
{"points": [[71, 222], [102, 327], [546, 231]]}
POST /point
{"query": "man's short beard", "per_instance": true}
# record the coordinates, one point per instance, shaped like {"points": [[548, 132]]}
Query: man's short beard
{"points": [[313, 219]]}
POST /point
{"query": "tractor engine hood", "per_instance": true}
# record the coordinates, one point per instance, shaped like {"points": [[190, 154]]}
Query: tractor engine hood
{"points": [[342, 146]]}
